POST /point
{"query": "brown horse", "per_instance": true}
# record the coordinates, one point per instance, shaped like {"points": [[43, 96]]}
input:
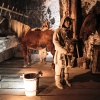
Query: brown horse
{"points": [[30, 39], [91, 24], [37, 40]]}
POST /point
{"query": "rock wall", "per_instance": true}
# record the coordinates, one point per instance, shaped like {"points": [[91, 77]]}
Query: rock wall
{"points": [[48, 10], [37, 10]]}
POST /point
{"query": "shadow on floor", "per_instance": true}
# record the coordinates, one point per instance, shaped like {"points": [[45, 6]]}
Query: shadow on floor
{"points": [[86, 77]]}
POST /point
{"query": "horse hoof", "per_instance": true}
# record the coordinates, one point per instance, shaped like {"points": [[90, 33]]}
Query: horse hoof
{"points": [[25, 66], [44, 63], [39, 62], [53, 66], [69, 85], [29, 63]]}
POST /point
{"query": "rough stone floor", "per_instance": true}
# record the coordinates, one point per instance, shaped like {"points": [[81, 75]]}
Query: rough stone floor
{"points": [[85, 85]]}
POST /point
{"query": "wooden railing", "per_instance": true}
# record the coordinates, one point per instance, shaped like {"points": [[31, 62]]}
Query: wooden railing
{"points": [[11, 10]]}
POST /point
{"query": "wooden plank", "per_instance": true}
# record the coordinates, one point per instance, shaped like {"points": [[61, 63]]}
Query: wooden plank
{"points": [[11, 79], [19, 83], [10, 75], [11, 85], [12, 91]]}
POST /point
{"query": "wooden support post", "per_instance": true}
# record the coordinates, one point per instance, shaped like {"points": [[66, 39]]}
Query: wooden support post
{"points": [[5, 13], [13, 8], [10, 13]]}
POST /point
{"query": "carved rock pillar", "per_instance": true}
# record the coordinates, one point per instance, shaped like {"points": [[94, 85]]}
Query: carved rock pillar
{"points": [[74, 15]]}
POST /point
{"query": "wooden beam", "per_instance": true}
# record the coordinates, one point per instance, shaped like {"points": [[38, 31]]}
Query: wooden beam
{"points": [[13, 11]]}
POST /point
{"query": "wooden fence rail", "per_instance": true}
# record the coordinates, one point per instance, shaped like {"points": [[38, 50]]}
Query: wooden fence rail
{"points": [[11, 11]]}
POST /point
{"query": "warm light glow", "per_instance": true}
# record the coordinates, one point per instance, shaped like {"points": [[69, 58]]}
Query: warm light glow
{"points": [[54, 16]]}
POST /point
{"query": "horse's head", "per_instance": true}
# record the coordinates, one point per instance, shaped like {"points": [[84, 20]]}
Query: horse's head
{"points": [[91, 22], [14, 26], [88, 26], [96, 8]]}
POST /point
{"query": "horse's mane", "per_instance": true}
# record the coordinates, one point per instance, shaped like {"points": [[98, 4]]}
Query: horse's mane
{"points": [[93, 15], [90, 25], [36, 29], [18, 27], [96, 8]]}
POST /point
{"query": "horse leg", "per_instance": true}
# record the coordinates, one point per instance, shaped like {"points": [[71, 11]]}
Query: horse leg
{"points": [[52, 50], [29, 52], [40, 56], [44, 55], [24, 52]]}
